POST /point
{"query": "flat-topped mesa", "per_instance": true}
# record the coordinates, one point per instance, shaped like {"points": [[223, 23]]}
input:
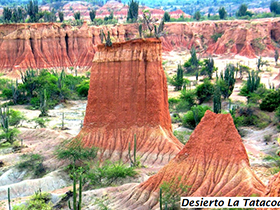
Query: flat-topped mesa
{"points": [[127, 96], [213, 163]]}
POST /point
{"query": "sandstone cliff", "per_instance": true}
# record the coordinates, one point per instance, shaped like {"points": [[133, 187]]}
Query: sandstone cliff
{"points": [[48, 45], [127, 96], [214, 162]]}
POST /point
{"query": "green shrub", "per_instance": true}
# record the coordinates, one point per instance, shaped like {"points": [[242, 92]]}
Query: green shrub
{"points": [[271, 101], [275, 161], [171, 193], [193, 117], [33, 164], [105, 175], [204, 91], [182, 136], [38, 201], [7, 93], [15, 117], [83, 88], [216, 36], [41, 122]]}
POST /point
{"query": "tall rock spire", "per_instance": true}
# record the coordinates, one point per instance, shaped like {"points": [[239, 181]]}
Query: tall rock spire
{"points": [[127, 96]]}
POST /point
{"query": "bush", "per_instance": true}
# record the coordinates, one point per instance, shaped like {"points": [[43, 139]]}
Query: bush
{"points": [[193, 117], [33, 164], [275, 160], [41, 122], [171, 193], [38, 201], [204, 91], [216, 36], [83, 88], [182, 136], [271, 101], [101, 176], [15, 117]]}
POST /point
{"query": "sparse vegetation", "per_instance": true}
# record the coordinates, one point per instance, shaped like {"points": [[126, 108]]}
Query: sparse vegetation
{"points": [[170, 194], [40, 200], [32, 164]]}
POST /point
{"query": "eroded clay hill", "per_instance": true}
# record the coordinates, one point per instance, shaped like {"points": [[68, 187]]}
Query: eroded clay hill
{"points": [[127, 96], [214, 162], [48, 45]]}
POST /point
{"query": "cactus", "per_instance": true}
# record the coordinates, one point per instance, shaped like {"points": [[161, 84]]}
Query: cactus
{"points": [[134, 161], [69, 205], [15, 92], [80, 193], [9, 199], [108, 41], [101, 35], [134, 149], [4, 113], [43, 104], [74, 192], [62, 121], [160, 198], [77, 206], [140, 30]]}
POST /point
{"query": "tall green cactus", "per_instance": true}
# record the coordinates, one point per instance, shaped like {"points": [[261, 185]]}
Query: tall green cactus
{"points": [[62, 121], [134, 150], [140, 30], [4, 113], [9, 199], [43, 104], [160, 198], [134, 161], [108, 40], [80, 193], [74, 192], [69, 205]]}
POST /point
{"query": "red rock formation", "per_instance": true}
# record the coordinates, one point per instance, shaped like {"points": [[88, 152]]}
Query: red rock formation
{"points": [[127, 96], [48, 45], [214, 162], [273, 188]]}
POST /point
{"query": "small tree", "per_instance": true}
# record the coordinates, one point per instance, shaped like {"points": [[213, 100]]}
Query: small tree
{"points": [[197, 15], [208, 67], [132, 14], [222, 13], [276, 56], [92, 14], [7, 14], [178, 79], [227, 81], [61, 16], [274, 7], [242, 10], [32, 9], [166, 17]]}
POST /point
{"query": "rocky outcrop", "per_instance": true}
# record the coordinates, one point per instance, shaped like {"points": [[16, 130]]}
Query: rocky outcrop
{"points": [[50, 45], [273, 188], [127, 96], [213, 163], [54, 45]]}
